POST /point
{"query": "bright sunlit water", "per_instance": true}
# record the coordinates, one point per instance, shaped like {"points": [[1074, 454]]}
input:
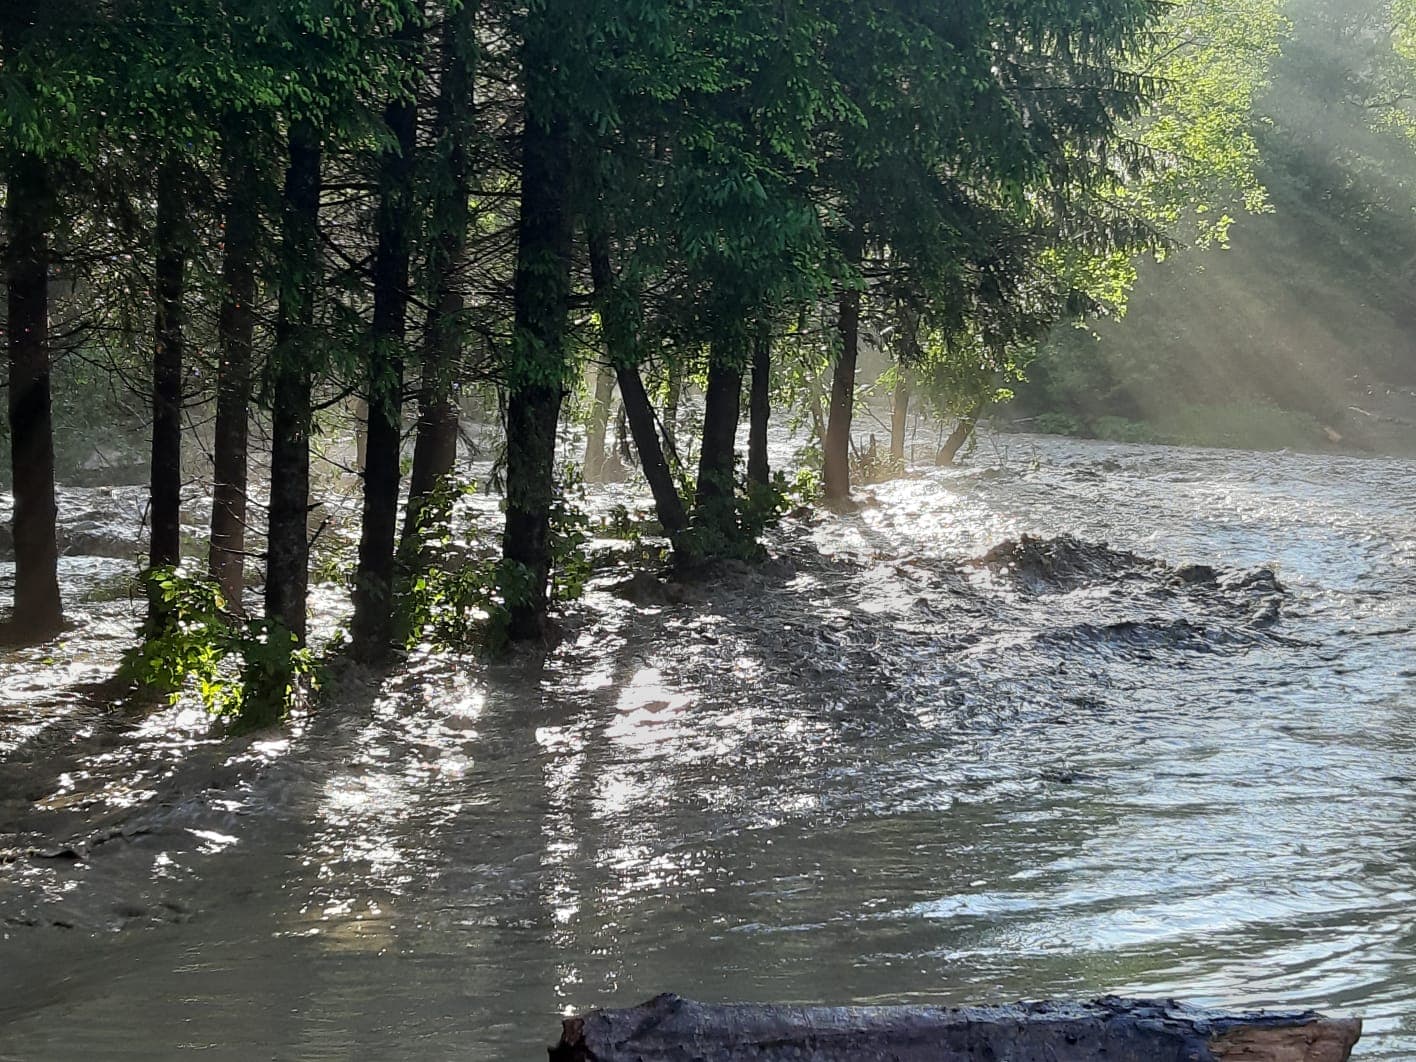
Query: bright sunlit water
{"points": [[868, 771]]}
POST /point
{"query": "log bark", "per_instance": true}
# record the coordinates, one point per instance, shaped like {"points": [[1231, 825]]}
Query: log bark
{"points": [[623, 436], [640, 414], [671, 1029], [909, 353], [837, 451]]}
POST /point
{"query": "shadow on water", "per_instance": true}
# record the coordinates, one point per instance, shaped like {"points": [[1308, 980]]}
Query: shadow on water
{"points": [[900, 761]]}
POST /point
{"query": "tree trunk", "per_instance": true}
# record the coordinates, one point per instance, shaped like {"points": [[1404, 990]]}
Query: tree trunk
{"points": [[236, 330], [372, 629], [1108, 1030], [536, 372], [170, 244], [358, 407], [38, 611], [961, 434], [715, 503], [622, 434], [288, 556], [638, 410], [673, 397], [594, 469], [837, 455], [760, 410], [817, 405], [435, 451], [908, 353], [899, 416]]}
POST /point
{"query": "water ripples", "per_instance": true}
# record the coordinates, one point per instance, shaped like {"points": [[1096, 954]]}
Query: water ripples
{"points": [[895, 764]]}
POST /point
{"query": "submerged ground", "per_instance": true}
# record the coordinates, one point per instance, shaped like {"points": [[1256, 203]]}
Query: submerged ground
{"points": [[896, 763]]}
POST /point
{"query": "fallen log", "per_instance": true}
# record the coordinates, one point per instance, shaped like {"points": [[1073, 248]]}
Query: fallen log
{"points": [[671, 1029]]}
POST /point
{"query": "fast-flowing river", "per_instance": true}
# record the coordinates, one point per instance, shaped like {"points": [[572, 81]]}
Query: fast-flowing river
{"points": [[893, 764]]}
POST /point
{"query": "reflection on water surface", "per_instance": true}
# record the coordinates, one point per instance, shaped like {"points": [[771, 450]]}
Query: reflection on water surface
{"points": [[869, 771]]}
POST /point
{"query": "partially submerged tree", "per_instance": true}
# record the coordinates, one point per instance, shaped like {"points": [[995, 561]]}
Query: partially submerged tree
{"points": [[45, 134], [395, 226], [729, 195]]}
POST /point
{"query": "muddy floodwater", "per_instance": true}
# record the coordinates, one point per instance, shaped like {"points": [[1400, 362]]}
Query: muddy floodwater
{"points": [[895, 763]]}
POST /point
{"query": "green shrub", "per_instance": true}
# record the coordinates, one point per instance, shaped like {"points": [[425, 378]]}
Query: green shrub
{"points": [[452, 595], [1120, 429], [251, 673], [450, 604], [876, 466], [1056, 424], [806, 487], [626, 526], [277, 674], [188, 638], [1248, 425], [458, 596], [570, 534], [760, 507]]}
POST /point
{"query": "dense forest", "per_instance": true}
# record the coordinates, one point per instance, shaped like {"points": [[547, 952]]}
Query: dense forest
{"points": [[271, 229]]}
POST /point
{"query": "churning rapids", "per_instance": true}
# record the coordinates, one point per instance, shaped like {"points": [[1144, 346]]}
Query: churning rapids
{"points": [[895, 763]]}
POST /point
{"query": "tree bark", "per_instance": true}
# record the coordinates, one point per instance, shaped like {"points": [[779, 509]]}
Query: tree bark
{"points": [[715, 502], [435, 450], [1108, 1030], [638, 410], [817, 401], [961, 434], [907, 353], [236, 331], [170, 245], [837, 454], [673, 397], [288, 556], [536, 373], [372, 629], [596, 430], [899, 416], [760, 410], [358, 406], [38, 610], [622, 434]]}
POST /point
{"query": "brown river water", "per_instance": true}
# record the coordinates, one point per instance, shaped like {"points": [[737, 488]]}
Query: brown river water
{"points": [[887, 765]]}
